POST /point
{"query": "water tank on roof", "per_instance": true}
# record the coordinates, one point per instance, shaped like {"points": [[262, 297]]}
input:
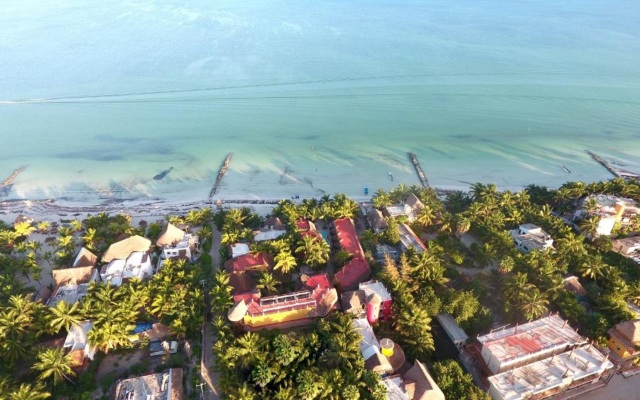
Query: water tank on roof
{"points": [[373, 308]]}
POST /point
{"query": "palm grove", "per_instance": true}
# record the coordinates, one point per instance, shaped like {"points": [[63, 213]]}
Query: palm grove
{"points": [[173, 296], [323, 360]]}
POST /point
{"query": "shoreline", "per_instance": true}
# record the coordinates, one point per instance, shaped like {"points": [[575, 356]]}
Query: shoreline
{"points": [[141, 208]]}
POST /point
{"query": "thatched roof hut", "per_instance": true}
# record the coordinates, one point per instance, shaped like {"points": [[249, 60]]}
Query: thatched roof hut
{"points": [[170, 236], [122, 249], [238, 311]]}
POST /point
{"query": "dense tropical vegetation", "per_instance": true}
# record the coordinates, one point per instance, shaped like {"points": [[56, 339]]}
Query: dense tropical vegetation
{"points": [[471, 270], [174, 297]]}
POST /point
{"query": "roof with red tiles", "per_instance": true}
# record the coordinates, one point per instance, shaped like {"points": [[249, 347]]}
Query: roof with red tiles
{"points": [[354, 272], [303, 225], [242, 283], [316, 281], [247, 296], [347, 236], [247, 261]]}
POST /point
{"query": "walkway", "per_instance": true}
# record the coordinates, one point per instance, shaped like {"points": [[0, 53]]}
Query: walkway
{"points": [[208, 359]]}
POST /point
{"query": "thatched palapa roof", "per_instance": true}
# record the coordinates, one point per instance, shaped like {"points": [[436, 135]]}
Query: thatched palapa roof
{"points": [[122, 249], [238, 311], [425, 387], [170, 236], [74, 275], [630, 329], [85, 258]]}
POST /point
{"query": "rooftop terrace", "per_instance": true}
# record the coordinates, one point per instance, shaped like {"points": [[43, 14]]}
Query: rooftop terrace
{"points": [[554, 372], [530, 338]]}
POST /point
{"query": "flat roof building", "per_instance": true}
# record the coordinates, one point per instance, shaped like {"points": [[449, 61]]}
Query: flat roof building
{"points": [[409, 240], [453, 330], [510, 348], [547, 377], [529, 237], [627, 246], [163, 386]]}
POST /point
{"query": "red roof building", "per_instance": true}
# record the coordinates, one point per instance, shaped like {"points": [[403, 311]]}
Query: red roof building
{"points": [[357, 270], [317, 299], [345, 233], [307, 228], [248, 262], [353, 272]]}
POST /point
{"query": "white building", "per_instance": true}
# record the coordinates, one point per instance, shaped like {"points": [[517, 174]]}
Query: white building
{"points": [[397, 211], [370, 348], [127, 259], [547, 377], [514, 347], [175, 242], [71, 284], [409, 240], [453, 330], [627, 246], [529, 237], [609, 210], [77, 343]]}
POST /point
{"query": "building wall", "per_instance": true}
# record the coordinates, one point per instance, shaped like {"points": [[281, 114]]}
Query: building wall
{"points": [[270, 319], [169, 252], [605, 226], [620, 349]]}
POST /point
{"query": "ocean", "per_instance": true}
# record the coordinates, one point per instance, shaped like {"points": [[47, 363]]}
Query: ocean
{"points": [[312, 98]]}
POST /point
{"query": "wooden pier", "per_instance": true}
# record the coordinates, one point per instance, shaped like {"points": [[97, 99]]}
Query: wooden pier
{"points": [[615, 171], [221, 172], [5, 186], [421, 175]]}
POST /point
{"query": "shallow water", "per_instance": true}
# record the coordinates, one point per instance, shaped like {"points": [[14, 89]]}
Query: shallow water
{"points": [[313, 98]]}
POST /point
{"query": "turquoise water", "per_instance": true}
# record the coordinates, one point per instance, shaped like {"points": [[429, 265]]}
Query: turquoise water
{"points": [[313, 97]]}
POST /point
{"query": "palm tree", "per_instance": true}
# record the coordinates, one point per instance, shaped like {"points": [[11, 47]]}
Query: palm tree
{"points": [[43, 226], [425, 216], [63, 316], [230, 236], [381, 199], [533, 304], [76, 225], [506, 265], [234, 217], [268, 283], [285, 262], [307, 385], [590, 226], [89, 238], [205, 233], [476, 190], [110, 335], [463, 224], [250, 347], [262, 374], [428, 268], [285, 349], [66, 242], [591, 267], [26, 391], [446, 223], [314, 251], [53, 363], [23, 228]]}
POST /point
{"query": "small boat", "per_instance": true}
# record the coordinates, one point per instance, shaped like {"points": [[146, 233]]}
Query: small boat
{"points": [[564, 167], [390, 176], [366, 191]]}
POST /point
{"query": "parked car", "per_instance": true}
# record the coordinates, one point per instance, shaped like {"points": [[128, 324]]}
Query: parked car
{"points": [[160, 348]]}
